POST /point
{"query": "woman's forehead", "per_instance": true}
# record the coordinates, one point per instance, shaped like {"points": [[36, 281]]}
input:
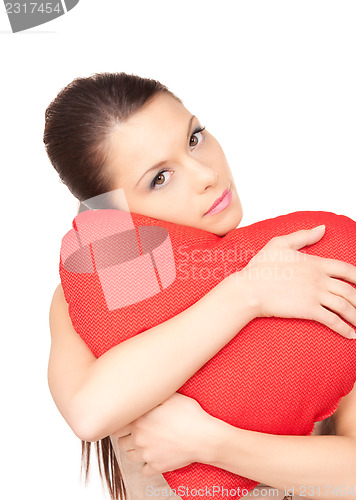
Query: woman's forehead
{"points": [[162, 110], [149, 135], [160, 121]]}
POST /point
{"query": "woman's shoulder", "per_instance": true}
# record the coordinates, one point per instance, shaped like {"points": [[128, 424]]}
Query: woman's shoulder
{"points": [[58, 303], [58, 291]]}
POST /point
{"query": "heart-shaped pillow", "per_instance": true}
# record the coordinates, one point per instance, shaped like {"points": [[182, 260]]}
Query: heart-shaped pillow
{"points": [[124, 273]]}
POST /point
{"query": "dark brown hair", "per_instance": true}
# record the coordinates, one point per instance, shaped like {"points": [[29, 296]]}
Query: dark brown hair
{"points": [[78, 123]]}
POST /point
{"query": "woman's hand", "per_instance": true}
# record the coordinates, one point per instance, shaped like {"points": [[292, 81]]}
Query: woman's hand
{"points": [[291, 284], [169, 437]]}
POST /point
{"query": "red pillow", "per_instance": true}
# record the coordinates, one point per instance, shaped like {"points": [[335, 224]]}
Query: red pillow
{"points": [[124, 273]]}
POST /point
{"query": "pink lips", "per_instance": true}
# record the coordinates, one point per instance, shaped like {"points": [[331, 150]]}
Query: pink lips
{"points": [[220, 203]]}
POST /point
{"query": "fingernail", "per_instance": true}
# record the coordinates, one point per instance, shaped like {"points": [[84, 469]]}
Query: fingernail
{"points": [[352, 334], [318, 228]]}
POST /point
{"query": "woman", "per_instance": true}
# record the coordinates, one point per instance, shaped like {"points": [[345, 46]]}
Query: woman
{"points": [[115, 131]]}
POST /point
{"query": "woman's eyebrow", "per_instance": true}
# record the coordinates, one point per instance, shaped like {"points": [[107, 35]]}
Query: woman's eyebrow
{"points": [[157, 165], [161, 163], [190, 125]]}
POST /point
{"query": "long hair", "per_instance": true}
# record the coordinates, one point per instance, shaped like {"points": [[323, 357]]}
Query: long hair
{"points": [[78, 123]]}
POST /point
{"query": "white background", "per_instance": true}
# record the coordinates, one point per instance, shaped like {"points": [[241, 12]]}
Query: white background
{"points": [[274, 81]]}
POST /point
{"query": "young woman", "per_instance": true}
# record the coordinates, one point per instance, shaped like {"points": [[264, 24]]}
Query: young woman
{"points": [[112, 131]]}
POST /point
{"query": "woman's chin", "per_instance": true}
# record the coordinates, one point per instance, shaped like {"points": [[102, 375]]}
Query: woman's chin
{"points": [[225, 226]]}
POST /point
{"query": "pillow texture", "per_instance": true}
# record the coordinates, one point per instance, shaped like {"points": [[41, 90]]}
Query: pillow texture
{"points": [[123, 273]]}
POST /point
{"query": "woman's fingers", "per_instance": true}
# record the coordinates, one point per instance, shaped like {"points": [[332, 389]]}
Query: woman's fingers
{"points": [[341, 306], [134, 456], [148, 471], [339, 269], [124, 431], [125, 442], [302, 238], [343, 289], [133, 452], [335, 323]]}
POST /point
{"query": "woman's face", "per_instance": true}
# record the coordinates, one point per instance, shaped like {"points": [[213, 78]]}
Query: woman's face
{"points": [[171, 169]]}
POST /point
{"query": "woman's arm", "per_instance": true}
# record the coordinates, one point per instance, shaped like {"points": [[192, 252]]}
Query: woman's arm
{"points": [[179, 432], [98, 396]]}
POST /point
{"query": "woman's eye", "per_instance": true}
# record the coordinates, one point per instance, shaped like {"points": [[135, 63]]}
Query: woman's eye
{"points": [[160, 178], [196, 137]]}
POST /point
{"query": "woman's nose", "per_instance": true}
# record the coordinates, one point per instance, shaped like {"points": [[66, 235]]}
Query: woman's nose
{"points": [[205, 175]]}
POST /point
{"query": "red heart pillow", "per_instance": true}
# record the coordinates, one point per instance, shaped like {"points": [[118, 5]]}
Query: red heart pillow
{"points": [[124, 273]]}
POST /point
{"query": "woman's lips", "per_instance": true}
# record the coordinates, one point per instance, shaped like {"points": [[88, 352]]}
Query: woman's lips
{"points": [[220, 203]]}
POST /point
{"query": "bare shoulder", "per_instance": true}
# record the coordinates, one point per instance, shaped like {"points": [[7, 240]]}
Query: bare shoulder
{"points": [[66, 345], [58, 295], [58, 311], [344, 418]]}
